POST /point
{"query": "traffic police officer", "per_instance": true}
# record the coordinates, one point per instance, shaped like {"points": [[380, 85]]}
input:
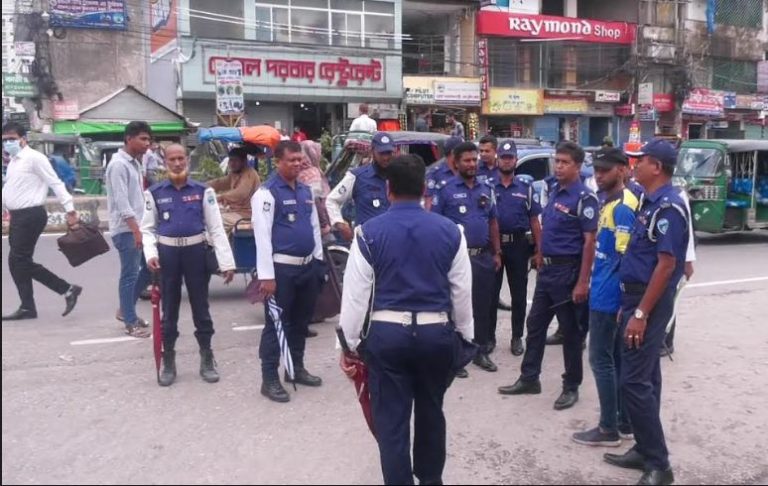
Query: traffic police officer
{"points": [[180, 212], [519, 209], [289, 256], [649, 274], [471, 203], [365, 185], [569, 223], [440, 173], [487, 167], [419, 297]]}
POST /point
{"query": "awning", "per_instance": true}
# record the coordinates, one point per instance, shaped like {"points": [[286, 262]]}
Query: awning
{"points": [[85, 128]]}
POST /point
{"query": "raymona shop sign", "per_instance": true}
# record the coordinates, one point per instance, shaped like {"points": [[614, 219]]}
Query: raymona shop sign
{"points": [[505, 24]]}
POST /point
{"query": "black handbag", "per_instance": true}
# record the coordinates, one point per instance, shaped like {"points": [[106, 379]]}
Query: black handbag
{"points": [[82, 243]]}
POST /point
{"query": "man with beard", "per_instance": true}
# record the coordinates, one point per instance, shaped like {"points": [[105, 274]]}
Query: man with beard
{"points": [[519, 209], [487, 168], [235, 190], [441, 172], [569, 223], [471, 203], [179, 213], [366, 186]]}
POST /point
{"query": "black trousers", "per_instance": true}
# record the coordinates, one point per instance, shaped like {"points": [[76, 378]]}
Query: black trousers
{"points": [[25, 229], [515, 257], [483, 281]]}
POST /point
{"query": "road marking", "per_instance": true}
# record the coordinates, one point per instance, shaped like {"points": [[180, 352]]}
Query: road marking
{"points": [[86, 342], [726, 282], [248, 328]]}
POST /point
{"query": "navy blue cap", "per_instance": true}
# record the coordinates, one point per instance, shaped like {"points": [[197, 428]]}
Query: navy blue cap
{"points": [[507, 149], [382, 142], [451, 143], [609, 157], [659, 149]]}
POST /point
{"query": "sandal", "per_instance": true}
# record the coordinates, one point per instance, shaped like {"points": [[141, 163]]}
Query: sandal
{"points": [[139, 321], [137, 332]]}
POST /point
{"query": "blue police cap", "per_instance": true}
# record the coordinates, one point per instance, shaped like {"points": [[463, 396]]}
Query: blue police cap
{"points": [[507, 149], [382, 142], [659, 149], [452, 143]]}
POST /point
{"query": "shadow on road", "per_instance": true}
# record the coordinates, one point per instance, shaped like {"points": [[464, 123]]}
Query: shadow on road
{"points": [[745, 238]]}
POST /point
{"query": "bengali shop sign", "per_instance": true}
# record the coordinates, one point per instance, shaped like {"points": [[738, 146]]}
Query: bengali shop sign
{"points": [[663, 102], [301, 71], [88, 14], [482, 56], [566, 105], [506, 24], [229, 88], [703, 101], [66, 110], [503, 101]]}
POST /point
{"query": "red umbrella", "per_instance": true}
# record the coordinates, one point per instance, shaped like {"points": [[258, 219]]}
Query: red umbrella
{"points": [[157, 331], [360, 380]]}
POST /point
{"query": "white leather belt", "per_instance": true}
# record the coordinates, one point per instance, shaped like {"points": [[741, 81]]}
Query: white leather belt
{"points": [[291, 260], [406, 318], [181, 240]]}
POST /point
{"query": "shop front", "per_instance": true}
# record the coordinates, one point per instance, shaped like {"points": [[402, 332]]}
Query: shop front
{"points": [[433, 98], [513, 112], [292, 87]]}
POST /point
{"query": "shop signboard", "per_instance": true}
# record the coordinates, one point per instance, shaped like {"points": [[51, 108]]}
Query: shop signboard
{"points": [[607, 96], [663, 102], [645, 93], [624, 110], [511, 24], [90, 14], [762, 77], [520, 6], [24, 50], [18, 85], [66, 110], [460, 93], [229, 88], [646, 113], [566, 105], [703, 101], [482, 55], [502, 101]]}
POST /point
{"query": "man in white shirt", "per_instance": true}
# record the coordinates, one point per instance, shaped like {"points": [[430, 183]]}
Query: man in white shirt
{"points": [[363, 123], [30, 175]]}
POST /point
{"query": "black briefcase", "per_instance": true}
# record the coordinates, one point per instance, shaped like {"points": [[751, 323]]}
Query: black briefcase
{"points": [[82, 243]]}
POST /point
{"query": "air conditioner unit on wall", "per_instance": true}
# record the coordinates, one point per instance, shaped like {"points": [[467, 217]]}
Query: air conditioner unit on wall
{"points": [[661, 52]]}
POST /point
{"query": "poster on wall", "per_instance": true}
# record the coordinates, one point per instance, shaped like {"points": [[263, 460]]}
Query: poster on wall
{"points": [[502, 101], [229, 88], [163, 20], [90, 14], [519, 6]]}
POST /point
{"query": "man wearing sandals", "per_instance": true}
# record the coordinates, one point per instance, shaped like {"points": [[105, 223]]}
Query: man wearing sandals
{"points": [[125, 201], [180, 212]]}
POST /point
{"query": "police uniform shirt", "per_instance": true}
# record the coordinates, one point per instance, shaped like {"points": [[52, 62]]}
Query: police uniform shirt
{"points": [[437, 177], [663, 218], [284, 221], [473, 208], [570, 212], [434, 275], [367, 189], [187, 211], [486, 174], [516, 204]]}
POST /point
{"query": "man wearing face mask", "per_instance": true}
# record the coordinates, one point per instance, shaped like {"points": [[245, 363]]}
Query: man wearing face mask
{"points": [[29, 177], [365, 185], [179, 213]]}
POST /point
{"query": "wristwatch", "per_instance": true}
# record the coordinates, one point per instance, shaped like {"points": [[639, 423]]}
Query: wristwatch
{"points": [[640, 315]]}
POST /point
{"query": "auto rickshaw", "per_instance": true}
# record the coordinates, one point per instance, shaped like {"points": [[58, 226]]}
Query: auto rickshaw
{"points": [[727, 183]]}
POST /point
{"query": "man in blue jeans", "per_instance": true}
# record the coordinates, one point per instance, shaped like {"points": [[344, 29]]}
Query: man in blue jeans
{"points": [[125, 200], [617, 216]]}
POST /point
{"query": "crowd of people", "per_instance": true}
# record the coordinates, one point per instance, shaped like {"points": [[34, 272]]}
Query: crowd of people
{"points": [[428, 255]]}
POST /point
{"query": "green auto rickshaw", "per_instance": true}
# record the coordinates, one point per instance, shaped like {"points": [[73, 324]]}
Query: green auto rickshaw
{"points": [[727, 183]]}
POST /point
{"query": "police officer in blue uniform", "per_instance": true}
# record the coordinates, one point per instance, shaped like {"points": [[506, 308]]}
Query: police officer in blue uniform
{"points": [[569, 224], [289, 256], [649, 273], [518, 207], [471, 203], [441, 172], [487, 167], [366, 186], [420, 298], [180, 212]]}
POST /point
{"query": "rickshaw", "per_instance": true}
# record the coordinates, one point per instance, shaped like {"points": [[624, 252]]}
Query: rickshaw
{"points": [[727, 183]]}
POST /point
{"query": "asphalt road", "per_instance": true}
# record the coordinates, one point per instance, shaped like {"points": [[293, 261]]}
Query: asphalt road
{"points": [[77, 412]]}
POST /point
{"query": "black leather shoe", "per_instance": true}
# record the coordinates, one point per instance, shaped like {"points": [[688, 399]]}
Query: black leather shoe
{"points": [[274, 390], [517, 347], [20, 315], [491, 346], [168, 373], [504, 306], [145, 295], [71, 298], [555, 339], [311, 333], [462, 373], [567, 399], [655, 476], [304, 378], [483, 361], [521, 388], [208, 366], [629, 460]]}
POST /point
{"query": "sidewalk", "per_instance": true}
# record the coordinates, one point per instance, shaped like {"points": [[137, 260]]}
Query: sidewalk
{"points": [[90, 208]]}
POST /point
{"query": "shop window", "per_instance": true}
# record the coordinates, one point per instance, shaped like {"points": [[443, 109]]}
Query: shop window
{"points": [[264, 24], [376, 6], [280, 25], [379, 31], [553, 7], [224, 24], [351, 5], [309, 26], [347, 29], [740, 76], [744, 13], [321, 4], [514, 64]]}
